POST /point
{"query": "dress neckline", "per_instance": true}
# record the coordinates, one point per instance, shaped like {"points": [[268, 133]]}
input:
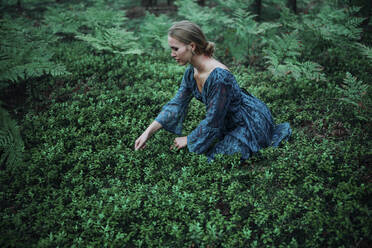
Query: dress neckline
{"points": [[207, 79]]}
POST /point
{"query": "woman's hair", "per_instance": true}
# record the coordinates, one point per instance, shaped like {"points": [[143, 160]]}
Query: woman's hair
{"points": [[187, 32]]}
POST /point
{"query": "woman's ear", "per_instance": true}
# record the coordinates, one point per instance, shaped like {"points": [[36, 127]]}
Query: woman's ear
{"points": [[192, 46]]}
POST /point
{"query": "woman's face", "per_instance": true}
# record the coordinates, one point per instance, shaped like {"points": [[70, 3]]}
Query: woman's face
{"points": [[180, 51]]}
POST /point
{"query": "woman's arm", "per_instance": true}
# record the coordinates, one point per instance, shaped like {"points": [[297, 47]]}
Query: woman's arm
{"points": [[141, 141], [172, 114], [209, 129]]}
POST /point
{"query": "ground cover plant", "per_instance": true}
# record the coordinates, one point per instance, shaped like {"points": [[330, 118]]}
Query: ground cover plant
{"points": [[75, 97]]}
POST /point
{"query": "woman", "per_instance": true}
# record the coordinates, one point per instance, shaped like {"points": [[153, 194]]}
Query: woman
{"points": [[235, 122]]}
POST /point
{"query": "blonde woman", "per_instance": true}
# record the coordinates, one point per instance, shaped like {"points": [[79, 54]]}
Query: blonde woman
{"points": [[235, 121]]}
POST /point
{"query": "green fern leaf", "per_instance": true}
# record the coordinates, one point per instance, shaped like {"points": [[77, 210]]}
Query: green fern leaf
{"points": [[11, 144], [354, 93], [154, 32], [25, 52], [365, 50], [113, 40], [312, 71]]}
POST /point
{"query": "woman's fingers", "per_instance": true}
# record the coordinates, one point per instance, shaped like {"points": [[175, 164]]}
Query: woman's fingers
{"points": [[142, 146], [136, 145], [175, 145], [180, 142], [139, 144]]}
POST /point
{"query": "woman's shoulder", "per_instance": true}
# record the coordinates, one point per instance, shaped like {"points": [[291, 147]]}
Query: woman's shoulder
{"points": [[219, 69], [222, 75], [219, 66]]}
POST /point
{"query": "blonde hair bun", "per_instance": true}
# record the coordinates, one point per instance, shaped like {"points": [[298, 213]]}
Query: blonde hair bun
{"points": [[209, 49]]}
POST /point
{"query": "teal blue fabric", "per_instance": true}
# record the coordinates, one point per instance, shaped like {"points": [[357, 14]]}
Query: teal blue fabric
{"points": [[235, 121]]}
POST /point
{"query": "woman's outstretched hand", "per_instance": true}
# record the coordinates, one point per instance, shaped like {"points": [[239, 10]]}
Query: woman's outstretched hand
{"points": [[179, 142], [141, 141]]}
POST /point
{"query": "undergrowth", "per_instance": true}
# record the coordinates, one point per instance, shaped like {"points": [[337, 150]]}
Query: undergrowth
{"points": [[69, 176]]}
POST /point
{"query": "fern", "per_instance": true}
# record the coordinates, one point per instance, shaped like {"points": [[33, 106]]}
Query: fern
{"points": [[282, 48], [11, 144], [312, 71], [231, 24], [353, 91], [114, 40], [25, 52], [365, 50], [99, 25], [283, 54], [154, 31], [207, 19], [63, 22], [288, 19], [81, 19], [338, 26], [247, 35]]}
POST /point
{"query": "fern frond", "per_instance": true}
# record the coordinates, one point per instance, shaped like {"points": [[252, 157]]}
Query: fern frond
{"points": [[312, 71], [353, 9], [335, 25], [287, 18], [60, 21], [353, 92], [103, 17], [288, 68], [282, 57], [286, 46], [11, 144], [206, 18], [154, 31], [81, 19], [25, 52], [265, 26], [113, 40], [352, 89], [365, 50], [231, 24]]}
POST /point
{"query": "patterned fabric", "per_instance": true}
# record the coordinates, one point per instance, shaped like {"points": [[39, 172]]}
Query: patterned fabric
{"points": [[235, 122]]}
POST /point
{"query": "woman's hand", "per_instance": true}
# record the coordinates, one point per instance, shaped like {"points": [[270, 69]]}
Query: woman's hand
{"points": [[179, 142], [141, 141]]}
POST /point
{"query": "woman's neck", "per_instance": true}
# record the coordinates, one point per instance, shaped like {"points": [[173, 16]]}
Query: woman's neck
{"points": [[201, 63]]}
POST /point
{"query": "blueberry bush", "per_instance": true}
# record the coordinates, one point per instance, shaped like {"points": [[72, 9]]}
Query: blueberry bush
{"points": [[69, 176]]}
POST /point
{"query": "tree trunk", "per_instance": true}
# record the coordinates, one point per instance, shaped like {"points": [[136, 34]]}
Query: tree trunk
{"points": [[201, 2], [292, 4], [258, 7], [148, 3]]}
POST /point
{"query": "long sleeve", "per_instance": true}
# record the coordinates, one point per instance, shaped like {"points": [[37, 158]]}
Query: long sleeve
{"points": [[209, 129], [174, 112]]}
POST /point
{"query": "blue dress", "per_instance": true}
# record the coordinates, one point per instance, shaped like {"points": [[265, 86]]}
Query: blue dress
{"points": [[235, 122]]}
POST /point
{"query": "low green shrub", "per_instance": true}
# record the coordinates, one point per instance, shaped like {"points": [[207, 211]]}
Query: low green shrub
{"points": [[79, 183], [103, 193]]}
